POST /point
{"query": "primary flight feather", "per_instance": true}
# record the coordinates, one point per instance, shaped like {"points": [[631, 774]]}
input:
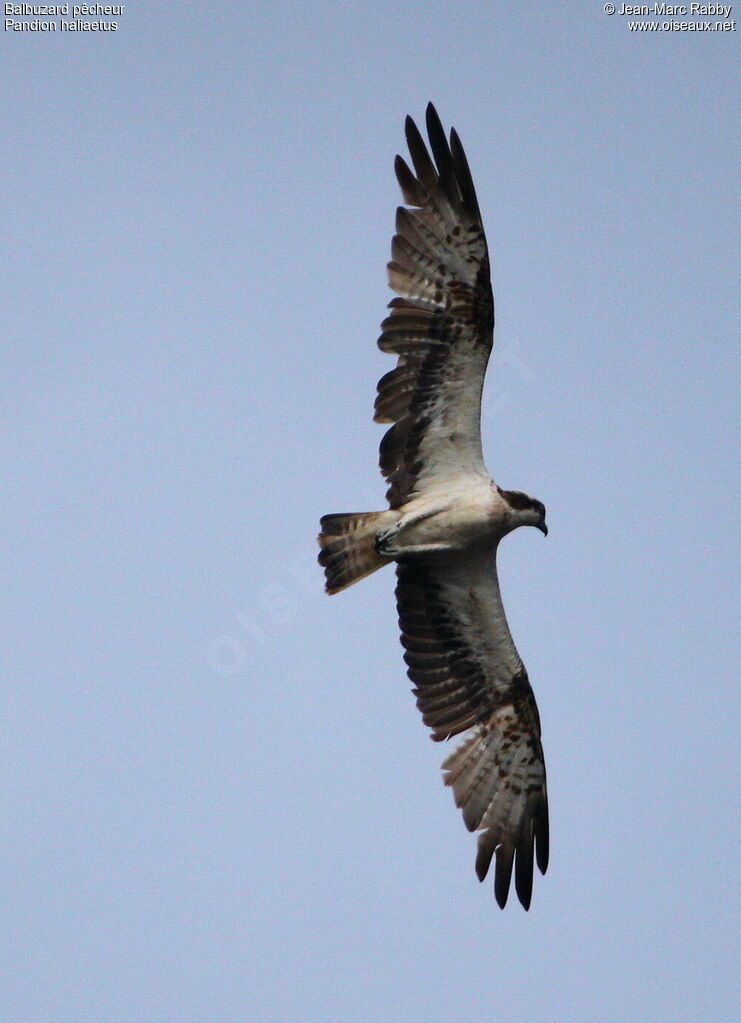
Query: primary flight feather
{"points": [[446, 515]]}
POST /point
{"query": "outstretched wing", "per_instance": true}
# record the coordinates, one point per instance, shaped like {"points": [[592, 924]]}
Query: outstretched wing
{"points": [[441, 326], [469, 678]]}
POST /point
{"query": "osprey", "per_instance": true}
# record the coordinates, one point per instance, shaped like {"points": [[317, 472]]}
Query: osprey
{"points": [[446, 515]]}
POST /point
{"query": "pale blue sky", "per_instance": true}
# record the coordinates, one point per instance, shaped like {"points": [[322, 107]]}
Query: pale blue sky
{"points": [[219, 802]]}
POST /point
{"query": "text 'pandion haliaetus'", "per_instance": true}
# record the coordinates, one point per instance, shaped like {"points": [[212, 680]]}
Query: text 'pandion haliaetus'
{"points": [[446, 516]]}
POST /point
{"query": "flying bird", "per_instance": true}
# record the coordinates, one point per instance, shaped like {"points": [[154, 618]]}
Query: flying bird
{"points": [[446, 515]]}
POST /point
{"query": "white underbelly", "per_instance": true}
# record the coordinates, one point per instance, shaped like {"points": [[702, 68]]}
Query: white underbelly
{"points": [[453, 522]]}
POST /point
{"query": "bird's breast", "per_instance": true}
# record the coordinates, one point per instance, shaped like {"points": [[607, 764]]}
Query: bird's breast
{"points": [[456, 520]]}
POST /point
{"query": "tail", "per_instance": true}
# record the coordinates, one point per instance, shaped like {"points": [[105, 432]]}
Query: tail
{"points": [[347, 547]]}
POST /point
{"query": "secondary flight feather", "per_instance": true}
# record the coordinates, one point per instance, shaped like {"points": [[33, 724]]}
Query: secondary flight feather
{"points": [[446, 516]]}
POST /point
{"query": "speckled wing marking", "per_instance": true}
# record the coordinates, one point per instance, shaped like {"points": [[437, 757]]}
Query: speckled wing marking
{"points": [[440, 326], [468, 677]]}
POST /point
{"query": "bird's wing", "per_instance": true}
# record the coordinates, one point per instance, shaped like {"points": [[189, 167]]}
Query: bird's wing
{"points": [[440, 326], [468, 677]]}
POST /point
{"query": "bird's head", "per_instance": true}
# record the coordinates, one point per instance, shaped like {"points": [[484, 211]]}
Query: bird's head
{"points": [[525, 510]]}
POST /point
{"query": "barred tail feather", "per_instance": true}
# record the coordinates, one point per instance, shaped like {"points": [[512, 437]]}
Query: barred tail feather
{"points": [[347, 547]]}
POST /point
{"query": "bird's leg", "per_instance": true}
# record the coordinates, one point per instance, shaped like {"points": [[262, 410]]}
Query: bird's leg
{"points": [[383, 544], [399, 539]]}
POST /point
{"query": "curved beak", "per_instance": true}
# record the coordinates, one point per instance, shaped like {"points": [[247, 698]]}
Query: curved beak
{"points": [[543, 528]]}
